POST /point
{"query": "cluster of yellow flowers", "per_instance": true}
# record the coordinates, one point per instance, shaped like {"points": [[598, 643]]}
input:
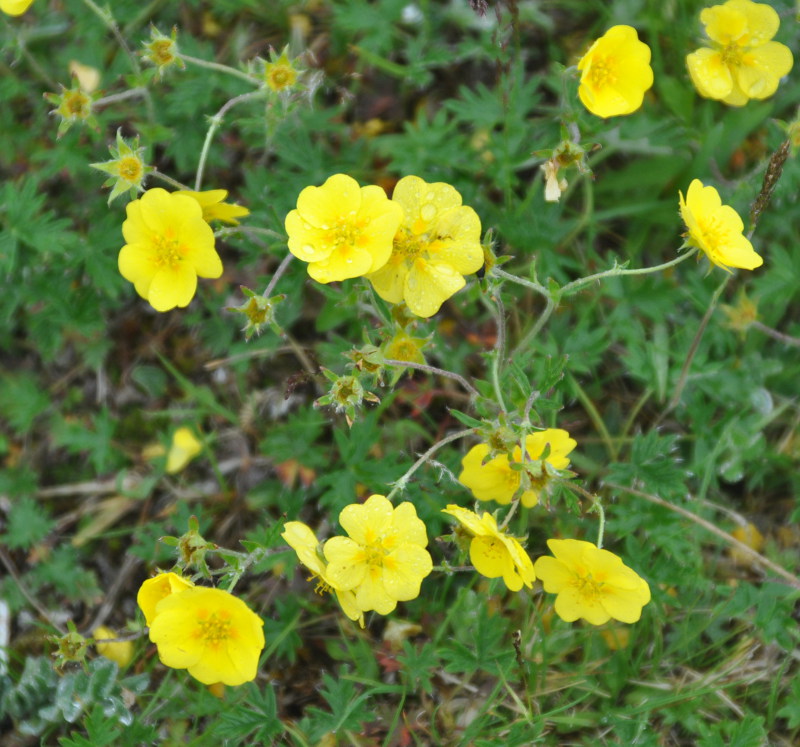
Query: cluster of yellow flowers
{"points": [[742, 62], [209, 632], [415, 248], [383, 560]]}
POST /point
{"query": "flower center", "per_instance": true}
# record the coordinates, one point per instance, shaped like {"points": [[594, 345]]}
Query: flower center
{"points": [[732, 54], [587, 587], [130, 169], [169, 252], [602, 72], [281, 77], [713, 234], [214, 628]]}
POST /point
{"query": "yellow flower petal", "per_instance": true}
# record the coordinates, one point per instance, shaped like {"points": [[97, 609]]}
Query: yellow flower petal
{"points": [[761, 70], [15, 7], [157, 588], [429, 284], [185, 447]]}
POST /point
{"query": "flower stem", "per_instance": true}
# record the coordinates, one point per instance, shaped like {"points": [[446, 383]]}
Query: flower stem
{"points": [[276, 276], [113, 98], [169, 180], [400, 485], [216, 121], [576, 285], [775, 335], [499, 348], [793, 580], [596, 506], [433, 370], [684, 375], [530, 336], [221, 69], [532, 285]]}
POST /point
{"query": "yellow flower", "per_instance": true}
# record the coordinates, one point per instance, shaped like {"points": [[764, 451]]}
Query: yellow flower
{"points": [[494, 553], [209, 632], [342, 230], [716, 229], [118, 651], [497, 481], [591, 583], [280, 74], [211, 201], [303, 541], [384, 560], [152, 591], [438, 243], [185, 447], [615, 73], [168, 246], [15, 7], [742, 63]]}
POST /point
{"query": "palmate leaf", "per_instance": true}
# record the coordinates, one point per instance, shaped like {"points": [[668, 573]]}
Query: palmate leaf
{"points": [[349, 708], [255, 718], [653, 466]]}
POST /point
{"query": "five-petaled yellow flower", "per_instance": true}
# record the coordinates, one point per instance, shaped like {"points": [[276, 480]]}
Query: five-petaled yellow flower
{"points": [[169, 246], [716, 229], [342, 230], [742, 62], [209, 632], [496, 480], [303, 541], [185, 446], [15, 7], [214, 207], [494, 553], [615, 73], [152, 591], [438, 243], [591, 583], [384, 559]]}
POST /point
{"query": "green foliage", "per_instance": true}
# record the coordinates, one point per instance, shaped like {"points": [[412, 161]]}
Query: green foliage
{"points": [[697, 418]]}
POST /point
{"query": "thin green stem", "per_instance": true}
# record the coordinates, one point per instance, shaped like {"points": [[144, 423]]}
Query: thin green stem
{"points": [[276, 276], [111, 24], [113, 98], [576, 285], [511, 511], [220, 232], [400, 485], [453, 568], [775, 335], [433, 370], [793, 580], [223, 69], [532, 285], [684, 375], [596, 506], [499, 348], [530, 336], [216, 121], [169, 180]]}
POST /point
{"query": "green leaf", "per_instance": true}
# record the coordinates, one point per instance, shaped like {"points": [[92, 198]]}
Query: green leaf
{"points": [[28, 523]]}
